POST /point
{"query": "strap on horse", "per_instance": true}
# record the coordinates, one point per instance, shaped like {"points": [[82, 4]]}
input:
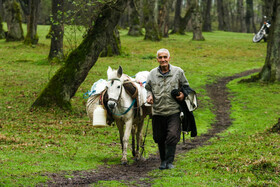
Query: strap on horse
{"points": [[143, 145], [132, 91]]}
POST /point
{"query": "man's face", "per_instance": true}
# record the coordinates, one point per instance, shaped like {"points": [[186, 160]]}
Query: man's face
{"points": [[163, 59]]}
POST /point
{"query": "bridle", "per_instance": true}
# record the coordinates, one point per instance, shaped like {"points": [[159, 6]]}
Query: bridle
{"points": [[117, 100], [112, 99]]}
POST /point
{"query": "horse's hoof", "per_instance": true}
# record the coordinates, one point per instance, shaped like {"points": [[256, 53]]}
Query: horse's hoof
{"points": [[138, 159]]}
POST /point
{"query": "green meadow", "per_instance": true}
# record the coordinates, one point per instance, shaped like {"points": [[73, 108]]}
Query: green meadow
{"points": [[36, 142]]}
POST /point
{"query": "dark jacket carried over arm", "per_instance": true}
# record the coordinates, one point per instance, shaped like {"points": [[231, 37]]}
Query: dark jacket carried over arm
{"points": [[188, 122]]}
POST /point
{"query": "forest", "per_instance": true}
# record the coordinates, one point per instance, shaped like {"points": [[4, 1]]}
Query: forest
{"points": [[52, 52]]}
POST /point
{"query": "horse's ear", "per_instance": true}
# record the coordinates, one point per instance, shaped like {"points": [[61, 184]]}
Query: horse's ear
{"points": [[120, 71], [109, 70]]}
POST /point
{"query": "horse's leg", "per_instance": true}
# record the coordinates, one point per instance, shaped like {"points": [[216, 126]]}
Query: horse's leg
{"points": [[133, 139], [120, 127], [139, 137], [128, 126]]}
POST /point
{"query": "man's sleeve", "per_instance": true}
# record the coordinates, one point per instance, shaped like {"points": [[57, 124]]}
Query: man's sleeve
{"points": [[183, 79]]}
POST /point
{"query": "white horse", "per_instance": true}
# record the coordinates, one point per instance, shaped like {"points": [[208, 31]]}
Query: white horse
{"points": [[121, 105]]}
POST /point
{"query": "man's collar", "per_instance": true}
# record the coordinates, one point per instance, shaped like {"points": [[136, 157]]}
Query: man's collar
{"points": [[167, 73]]}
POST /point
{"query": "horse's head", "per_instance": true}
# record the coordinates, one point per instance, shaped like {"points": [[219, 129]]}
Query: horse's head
{"points": [[114, 87]]}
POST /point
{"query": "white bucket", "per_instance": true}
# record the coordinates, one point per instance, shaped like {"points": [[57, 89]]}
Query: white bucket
{"points": [[99, 117]]}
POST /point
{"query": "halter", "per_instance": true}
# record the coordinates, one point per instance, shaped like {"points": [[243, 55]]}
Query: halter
{"points": [[112, 99]]}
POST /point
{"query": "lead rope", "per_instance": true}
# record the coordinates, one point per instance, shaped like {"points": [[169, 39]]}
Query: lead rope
{"points": [[143, 145]]}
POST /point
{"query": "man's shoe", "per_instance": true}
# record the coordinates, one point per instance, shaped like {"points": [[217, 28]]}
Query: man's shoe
{"points": [[169, 166], [169, 156], [162, 165]]}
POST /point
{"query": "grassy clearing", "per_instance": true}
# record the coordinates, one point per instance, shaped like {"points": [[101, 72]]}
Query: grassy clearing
{"points": [[33, 143]]}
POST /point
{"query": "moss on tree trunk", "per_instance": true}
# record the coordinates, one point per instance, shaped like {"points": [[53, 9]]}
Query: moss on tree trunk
{"points": [[114, 45], [180, 23], [134, 21], [150, 20], [13, 18], [32, 36], [196, 21], [163, 17], [57, 30], [64, 84], [276, 127], [2, 32]]}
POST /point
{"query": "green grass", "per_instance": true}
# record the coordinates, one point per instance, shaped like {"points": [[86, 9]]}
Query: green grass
{"points": [[33, 143], [247, 154]]}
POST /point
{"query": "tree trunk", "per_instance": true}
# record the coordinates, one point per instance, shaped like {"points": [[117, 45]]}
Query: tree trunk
{"points": [[207, 16], [196, 22], [150, 20], [271, 69], [31, 36], [266, 8], [114, 45], [223, 15], [227, 22], [250, 24], [124, 19], [240, 17], [163, 17], [2, 32], [182, 22], [232, 16], [57, 30], [13, 19], [166, 25], [177, 18], [1, 9], [220, 11], [135, 28], [25, 7], [253, 19], [64, 84]]}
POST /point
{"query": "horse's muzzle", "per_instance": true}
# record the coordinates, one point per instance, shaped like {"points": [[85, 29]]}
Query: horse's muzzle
{"points": [[111, 104]]}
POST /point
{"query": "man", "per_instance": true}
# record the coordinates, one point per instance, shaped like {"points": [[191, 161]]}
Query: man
{"points": [[166, 110]]}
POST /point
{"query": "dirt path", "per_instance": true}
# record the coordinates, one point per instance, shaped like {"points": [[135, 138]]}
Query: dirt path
{"points": [[139, 171]]}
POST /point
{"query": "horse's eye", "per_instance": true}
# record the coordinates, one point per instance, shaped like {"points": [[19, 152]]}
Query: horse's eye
{"points": [[118, 86]]}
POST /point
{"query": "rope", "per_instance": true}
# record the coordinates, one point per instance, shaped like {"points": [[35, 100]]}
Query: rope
{"points": [[88, 94], [134, 100]]}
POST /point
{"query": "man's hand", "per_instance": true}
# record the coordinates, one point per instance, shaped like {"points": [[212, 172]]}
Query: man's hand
{"points": [[150, 100], [180, 97]]}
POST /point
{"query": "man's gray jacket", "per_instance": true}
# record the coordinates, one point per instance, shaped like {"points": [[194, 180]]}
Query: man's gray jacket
{"points": [[160, 87]]}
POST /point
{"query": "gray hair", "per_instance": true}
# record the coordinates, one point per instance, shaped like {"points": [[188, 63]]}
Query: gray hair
{"points": [[163, 50]]}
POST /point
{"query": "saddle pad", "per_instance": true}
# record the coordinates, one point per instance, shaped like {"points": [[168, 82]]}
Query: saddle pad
{"points": [[130, 89]]}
